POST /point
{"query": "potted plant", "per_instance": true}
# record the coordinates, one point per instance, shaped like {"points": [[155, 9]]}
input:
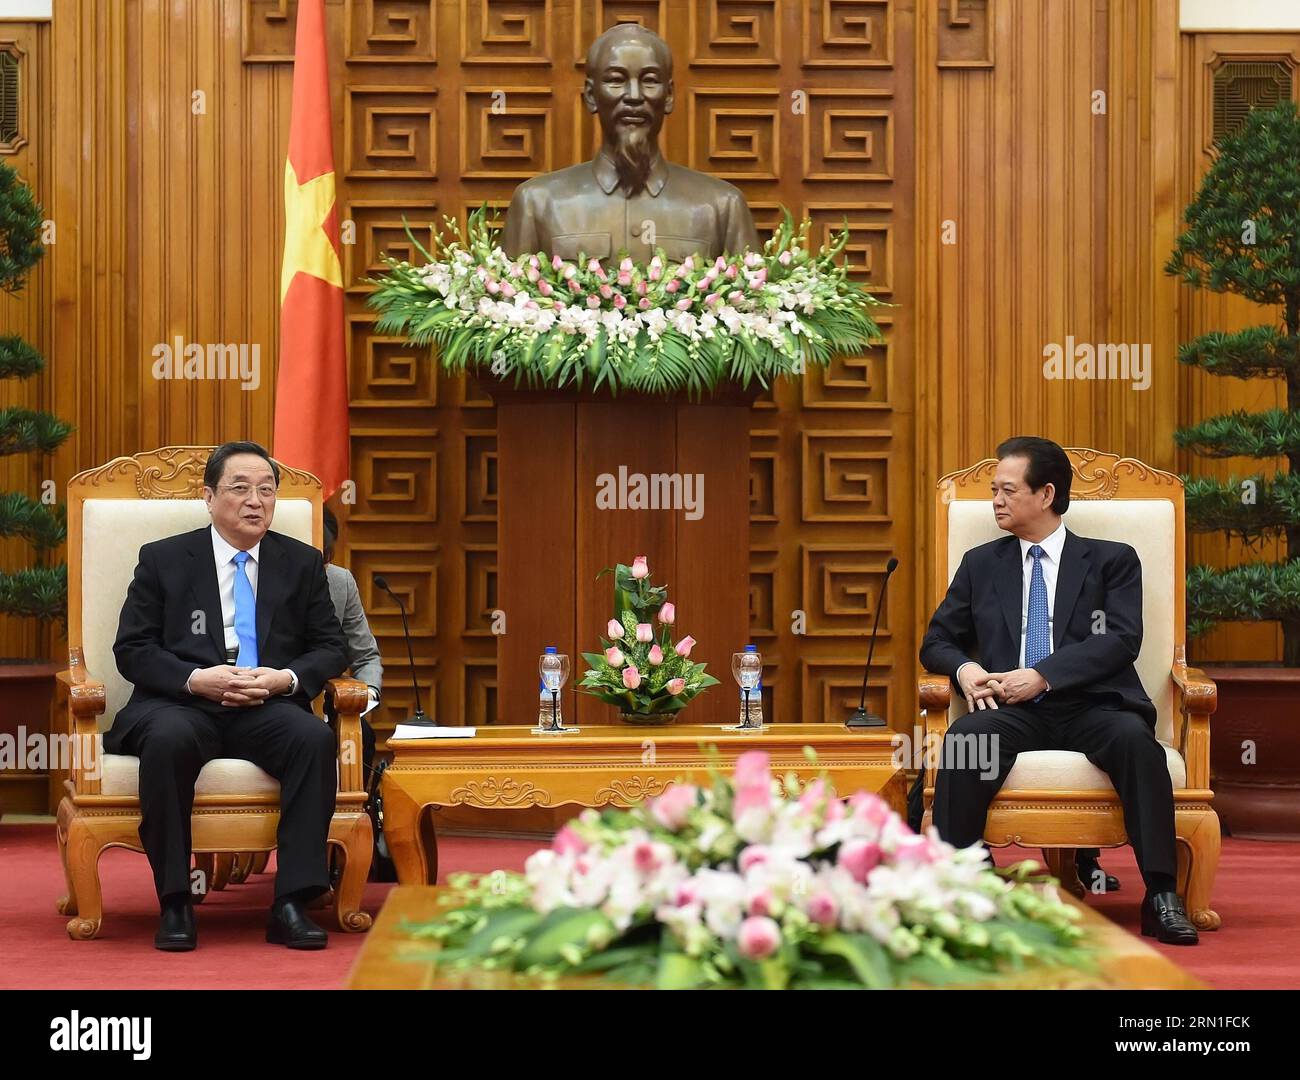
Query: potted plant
{"points": [[40, 591], [1243, 237], [647, 675]]}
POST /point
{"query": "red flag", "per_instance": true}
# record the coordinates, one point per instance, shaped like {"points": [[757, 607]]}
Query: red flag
{"points": [[311, 394]]}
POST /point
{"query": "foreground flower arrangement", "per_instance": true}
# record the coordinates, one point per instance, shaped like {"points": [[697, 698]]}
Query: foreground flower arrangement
{"points": [[657, 328], [646, 675], [755, 883]]}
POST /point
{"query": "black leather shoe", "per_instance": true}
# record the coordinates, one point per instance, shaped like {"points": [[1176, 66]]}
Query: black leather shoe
{"points": [[1165, 919], [176, 929], [1090, 873], [290, 926]]}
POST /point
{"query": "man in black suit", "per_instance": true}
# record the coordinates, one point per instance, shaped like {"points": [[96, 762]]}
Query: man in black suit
{"points": [[227, 634], [1039, 632]]}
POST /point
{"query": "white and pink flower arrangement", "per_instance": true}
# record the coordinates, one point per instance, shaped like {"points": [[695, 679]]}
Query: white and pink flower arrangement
{"points": [[641, 669], [657, 327], [761, 883]]}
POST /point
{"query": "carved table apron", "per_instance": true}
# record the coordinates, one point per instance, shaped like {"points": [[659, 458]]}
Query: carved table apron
{"points": [[511, 768]]}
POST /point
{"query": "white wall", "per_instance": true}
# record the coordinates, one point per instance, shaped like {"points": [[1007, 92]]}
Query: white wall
{"points": [[1239, 15], [26, 9]]}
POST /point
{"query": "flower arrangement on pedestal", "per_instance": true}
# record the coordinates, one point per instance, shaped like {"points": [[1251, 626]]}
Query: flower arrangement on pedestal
{"points": [[659, 327], [756, 883], [645, 674]]}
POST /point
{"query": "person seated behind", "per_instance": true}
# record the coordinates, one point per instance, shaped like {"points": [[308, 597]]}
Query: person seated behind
{"points": [[1016, 634], [362, 649], [227, 635]]}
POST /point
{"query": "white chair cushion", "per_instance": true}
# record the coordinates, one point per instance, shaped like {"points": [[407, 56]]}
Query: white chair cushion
{"points": [[1066, 770], [220, 776], [1147, 525], [113, 531]]}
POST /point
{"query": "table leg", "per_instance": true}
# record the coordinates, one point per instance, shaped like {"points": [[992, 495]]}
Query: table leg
{"points": [[406, 835], [895, 793], [429, 843]]}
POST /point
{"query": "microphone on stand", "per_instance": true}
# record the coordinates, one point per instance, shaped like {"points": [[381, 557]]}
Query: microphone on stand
{"points": [[419, 719], [861, 718]]}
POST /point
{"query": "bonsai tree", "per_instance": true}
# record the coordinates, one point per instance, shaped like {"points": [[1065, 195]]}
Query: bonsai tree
{"points": [[39, 591], [1243, 237]]}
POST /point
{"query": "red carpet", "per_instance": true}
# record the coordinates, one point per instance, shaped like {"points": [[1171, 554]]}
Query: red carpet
{"points": [[36, 953], [1257, 894]]}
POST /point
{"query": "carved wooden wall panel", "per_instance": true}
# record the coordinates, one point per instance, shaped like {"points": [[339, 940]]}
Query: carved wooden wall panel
{"points": [[801, 104], [910, 113]]}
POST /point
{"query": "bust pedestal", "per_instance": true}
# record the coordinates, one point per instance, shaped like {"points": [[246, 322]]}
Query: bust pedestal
{"points": [[553, 538]]}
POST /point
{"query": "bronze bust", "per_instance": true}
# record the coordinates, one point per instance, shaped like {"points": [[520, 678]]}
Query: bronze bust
{"points": [[628, 198]]}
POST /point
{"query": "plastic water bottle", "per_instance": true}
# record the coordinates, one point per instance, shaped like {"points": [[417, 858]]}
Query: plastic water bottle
{"points": [[544, 706], [751, 705], [546, 718]]}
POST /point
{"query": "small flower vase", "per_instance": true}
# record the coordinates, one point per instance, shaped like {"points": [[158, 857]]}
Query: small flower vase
{"points": [[646, 719]]}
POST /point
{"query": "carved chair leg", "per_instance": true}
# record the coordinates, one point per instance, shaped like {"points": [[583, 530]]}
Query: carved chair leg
{"points": [[1061, 865], [83, 865], [240, 867], [205, 862], [67, 903], [260, 859], [357, 847], [1199, 838], [221, 873]]}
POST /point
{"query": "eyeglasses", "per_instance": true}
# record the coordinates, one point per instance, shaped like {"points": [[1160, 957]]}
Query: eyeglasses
{"points": [[265, 492]]}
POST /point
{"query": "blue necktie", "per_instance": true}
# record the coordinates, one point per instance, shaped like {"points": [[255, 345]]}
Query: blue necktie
{"points": [[1038, 637], [245, 614]]}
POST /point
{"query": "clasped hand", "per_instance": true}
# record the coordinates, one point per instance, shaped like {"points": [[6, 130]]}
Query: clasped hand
{"points": [[984, 689], [239, 686]]}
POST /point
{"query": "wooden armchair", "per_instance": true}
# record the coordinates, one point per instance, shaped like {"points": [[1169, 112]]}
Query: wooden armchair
{"points": [[1057, 800], [112, 511]]}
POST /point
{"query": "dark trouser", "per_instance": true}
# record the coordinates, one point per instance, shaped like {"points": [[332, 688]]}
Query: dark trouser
{"points": [[173, 744], [1117, 741]]}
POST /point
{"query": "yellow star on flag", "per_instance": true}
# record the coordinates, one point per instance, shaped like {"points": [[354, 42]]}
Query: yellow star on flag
{"points": [[306, 245]]}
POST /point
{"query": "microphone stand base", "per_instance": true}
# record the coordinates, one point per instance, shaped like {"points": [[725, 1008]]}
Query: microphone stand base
{"points": [[861, 718], [420, 719]]}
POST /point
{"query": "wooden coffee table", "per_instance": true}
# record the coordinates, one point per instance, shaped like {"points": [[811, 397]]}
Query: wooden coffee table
{"points": [[510, 768], [390, 959]]}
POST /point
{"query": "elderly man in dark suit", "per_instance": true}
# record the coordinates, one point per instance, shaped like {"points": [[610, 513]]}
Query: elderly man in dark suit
{"points": [[227, 634], [1018, 634]]}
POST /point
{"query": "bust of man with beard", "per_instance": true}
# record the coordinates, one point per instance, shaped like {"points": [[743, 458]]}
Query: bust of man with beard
{"points": [[628, 198]]}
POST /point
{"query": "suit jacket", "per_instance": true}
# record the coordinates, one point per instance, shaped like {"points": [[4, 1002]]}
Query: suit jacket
{"points": [[359, 642], [979, 620], [581, 210], [157, 647]]}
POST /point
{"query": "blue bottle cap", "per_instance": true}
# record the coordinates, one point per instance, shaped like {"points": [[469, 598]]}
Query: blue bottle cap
{"points": [[551, 648], [751, 648]]}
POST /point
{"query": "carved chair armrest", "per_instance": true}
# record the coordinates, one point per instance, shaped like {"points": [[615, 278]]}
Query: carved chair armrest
{"points": [[82, 701], [344, 700], [935, 693], [1196, 698]]}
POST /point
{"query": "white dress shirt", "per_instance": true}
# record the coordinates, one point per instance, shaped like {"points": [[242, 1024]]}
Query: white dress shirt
{"points": [[224, 554]]}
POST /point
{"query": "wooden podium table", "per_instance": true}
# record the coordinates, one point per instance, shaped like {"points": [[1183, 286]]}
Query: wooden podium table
{"points": [[390, 959], [555, 450], [510, 768]]}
